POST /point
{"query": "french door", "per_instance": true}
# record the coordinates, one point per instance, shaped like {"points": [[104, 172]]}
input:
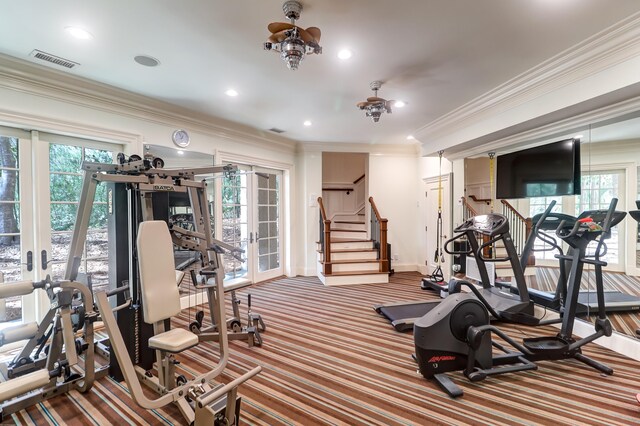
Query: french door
{"points": [[252, 220], [40, 184]]}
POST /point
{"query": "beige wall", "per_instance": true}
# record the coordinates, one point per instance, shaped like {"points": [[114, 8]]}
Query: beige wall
{"points": [[342, 167]]}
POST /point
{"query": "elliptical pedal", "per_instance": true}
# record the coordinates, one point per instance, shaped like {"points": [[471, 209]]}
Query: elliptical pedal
{"points": [[547, 344]]}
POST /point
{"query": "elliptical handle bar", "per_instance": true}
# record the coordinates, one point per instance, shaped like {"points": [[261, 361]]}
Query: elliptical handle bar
{"points": [[450, 240], [544, 215], [572, 233]]}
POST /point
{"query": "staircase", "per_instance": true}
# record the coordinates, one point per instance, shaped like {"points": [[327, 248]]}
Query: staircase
{"points": [[346, 255]]}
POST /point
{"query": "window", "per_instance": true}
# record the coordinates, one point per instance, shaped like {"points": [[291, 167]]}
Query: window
{"points": [[598, 189], [538, 205]]}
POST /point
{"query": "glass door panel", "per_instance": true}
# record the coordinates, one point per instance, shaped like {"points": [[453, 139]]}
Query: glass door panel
{"points": [[235, 222], [251, 220], [268, 225], [65, 185], [15, 237]]}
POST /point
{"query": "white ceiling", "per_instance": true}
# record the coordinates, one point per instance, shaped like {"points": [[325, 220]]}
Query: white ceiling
{"points": [[434, 54]]}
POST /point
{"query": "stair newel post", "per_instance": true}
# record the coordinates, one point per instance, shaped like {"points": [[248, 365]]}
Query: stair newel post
{"points": [[325, 238], [327, 247], [384, 255], [379, 236]]}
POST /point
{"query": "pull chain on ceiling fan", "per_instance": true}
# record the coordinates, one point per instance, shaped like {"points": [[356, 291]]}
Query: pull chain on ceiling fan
{"points": [[375, 106], [292, 41]]}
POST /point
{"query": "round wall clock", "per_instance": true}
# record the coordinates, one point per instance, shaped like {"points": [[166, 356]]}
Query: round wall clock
{"points": [[181, 138]]}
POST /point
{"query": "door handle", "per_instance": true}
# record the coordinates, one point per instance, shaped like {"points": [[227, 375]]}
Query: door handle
{"points": [[250, 237], [257, 237], [29, 261], [44, 261]]}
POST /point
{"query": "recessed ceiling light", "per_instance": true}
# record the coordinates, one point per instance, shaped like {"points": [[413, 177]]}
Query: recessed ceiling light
{"points": [[307, 123], [79, 33], [410, 138], [147, 61], [399, 104], [345, 54], [231, 92], [180, 152]]}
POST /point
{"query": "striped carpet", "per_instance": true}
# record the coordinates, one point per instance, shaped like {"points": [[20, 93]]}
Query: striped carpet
{"points": [[329, 359]]}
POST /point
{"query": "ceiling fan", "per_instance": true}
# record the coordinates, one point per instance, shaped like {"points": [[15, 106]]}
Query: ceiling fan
{"points": [[375, 106], [293, 42]]}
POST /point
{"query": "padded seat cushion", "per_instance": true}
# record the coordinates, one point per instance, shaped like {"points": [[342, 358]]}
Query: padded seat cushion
{"points": [[175, 340]]}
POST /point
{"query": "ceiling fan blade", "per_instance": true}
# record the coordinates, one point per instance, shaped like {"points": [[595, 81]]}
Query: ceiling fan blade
{"points": [[276, 27], [277, 37], [305, 36], [315, 33], [375, 99], [362, 104]]}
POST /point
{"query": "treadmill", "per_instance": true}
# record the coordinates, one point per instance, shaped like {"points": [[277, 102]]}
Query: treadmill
{"points": [[402, 315], [614, 301], [501, 303]]}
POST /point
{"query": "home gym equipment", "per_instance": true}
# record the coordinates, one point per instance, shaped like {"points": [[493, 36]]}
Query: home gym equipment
{"points": [[457, 334], [503, 305], [48, 364], [402, 315], [435, 281], [236, 330], [139, 191], [200, 402], [614, 301]]}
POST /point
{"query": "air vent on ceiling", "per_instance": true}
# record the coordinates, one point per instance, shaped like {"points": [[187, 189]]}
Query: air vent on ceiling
{"points": [[276, 130], [48, 57]]}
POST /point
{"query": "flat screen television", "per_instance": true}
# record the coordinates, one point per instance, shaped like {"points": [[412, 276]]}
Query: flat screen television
{"points": [[543, 171]]}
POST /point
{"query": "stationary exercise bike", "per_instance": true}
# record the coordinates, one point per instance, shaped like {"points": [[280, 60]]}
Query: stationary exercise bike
{"points": [[457, 335]]}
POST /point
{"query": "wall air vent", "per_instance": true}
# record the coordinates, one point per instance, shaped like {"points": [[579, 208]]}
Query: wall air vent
{"points": [[276, 130], [48, 57]]}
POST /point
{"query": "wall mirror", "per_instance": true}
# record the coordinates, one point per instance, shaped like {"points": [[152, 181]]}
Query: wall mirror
{"points": [[179, 206], [609, 168]]}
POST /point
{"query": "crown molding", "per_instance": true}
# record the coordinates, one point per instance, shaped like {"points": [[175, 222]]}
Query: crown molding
{"points": [[22, 76], [560, 129], [68, 128], [412, 149], [604, 50]]}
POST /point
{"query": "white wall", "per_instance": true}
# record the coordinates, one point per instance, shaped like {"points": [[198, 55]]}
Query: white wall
{"points": [[309, 188], [393, 184]]}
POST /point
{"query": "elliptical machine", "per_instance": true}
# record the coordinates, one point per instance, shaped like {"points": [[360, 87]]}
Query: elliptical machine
{"points": [[503, 305], [457, 334]]}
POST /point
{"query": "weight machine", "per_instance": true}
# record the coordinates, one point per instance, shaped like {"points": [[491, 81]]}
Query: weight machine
{"points": [[138, 187]]}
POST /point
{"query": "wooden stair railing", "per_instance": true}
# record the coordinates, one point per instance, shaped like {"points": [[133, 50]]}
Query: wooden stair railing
{"points": [[325, 238], [520, 227], [379, 236], [467, 209], [487, 201]]}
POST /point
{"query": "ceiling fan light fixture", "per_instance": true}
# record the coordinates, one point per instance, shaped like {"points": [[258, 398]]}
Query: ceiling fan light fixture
{"points": [[410, 137], [307, 123], [399, 104], [231, 93], [293, 50], [374, 106], [292, 41]]}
